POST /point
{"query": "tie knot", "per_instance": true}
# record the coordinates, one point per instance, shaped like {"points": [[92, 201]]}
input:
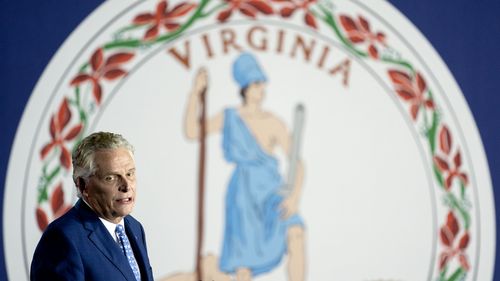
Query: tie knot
{"points": [[119, 229]]}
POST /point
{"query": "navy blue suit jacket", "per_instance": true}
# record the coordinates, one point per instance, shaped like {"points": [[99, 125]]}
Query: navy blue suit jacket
{"points": [[78, 247]]}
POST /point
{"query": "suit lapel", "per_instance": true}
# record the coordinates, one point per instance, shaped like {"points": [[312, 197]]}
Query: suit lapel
{"points": [[99, 236]]}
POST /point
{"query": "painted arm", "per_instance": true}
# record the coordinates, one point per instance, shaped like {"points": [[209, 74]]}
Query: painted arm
{"points": [[191, 121]]}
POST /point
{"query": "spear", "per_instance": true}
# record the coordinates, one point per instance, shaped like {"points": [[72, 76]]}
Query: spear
{"points": [[201, 183]]}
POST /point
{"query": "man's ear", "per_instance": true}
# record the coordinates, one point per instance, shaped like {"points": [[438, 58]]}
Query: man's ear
{"points": [[81, 184]]}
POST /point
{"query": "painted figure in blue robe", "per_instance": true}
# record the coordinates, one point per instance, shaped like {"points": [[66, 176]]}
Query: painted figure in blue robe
{"points": [[262, 227]]}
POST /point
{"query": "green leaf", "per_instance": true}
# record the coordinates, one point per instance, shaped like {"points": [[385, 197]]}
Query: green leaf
{"points": [[132, 43], [42, 195], [53, 174], [460, 208], [457, 275], [399, 62], [77, 95], [433, 131], [438, 175], [42, 190], [442, 274], [82, 68]]}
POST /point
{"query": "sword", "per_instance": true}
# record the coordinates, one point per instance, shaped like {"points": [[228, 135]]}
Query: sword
{"points": [[298, 124]]}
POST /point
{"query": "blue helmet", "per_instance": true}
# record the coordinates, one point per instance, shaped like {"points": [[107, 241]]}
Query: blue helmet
{"points": [[246, 70]]}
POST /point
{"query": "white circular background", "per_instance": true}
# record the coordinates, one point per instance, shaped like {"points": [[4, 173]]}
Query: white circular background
{"points": [[370, 205]]}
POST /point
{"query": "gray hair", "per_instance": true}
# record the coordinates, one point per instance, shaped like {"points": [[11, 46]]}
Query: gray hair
{"points": [[83, 155]]}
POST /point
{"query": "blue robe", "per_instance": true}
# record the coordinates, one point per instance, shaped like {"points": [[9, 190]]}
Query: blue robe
{"points": [[255, 235]]}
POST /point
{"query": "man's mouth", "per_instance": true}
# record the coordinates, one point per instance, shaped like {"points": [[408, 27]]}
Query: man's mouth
{"points": [[124, 200]]}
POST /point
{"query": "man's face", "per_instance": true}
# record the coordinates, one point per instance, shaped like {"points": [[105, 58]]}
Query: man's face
{"points": [[110, 191]]}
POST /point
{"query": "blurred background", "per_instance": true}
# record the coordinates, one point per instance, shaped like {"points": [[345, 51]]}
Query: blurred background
{"points": [[466, 34]]}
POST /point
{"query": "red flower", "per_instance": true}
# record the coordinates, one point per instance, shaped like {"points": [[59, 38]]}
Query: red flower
{"points": [[109, 70], [57, 124], [448, 235], [163, 17], [411, 89], [452, 171], [57, 205], [293, 5], [41, 218], [249, 8], [360, 32]]}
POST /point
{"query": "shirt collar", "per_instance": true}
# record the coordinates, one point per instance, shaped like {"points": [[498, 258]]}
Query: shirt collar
{"points": [[111, 227]]}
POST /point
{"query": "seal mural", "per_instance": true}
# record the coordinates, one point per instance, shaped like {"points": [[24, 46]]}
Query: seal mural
{"points": [[336, 143]]}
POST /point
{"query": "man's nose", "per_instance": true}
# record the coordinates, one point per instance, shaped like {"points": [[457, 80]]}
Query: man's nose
{"points": [[124, 184]]}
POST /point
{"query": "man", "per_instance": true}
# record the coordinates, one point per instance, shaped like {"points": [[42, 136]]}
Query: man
{"points": [[97, 239]]}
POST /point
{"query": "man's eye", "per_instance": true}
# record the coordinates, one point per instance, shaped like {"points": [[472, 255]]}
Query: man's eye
{"points": [[130, 174], [109, 178]]}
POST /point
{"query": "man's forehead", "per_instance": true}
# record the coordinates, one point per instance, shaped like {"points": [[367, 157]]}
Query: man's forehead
{"points": [[118, 157]]}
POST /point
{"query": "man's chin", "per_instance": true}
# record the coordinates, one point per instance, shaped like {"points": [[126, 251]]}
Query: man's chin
{"points": [[124, 210]]}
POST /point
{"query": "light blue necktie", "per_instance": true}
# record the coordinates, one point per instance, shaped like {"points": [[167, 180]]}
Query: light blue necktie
{"points": [[125, 246]]}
